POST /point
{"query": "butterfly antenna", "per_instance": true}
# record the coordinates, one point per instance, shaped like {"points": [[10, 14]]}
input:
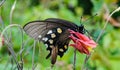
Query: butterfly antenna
{"points": [[89, 18], [81, 19]]}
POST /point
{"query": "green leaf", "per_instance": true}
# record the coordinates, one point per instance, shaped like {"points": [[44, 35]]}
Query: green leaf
{"points": [[97, 5]]}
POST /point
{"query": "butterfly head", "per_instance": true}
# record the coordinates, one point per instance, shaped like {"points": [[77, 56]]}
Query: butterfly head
{"points": [[81, 29]]}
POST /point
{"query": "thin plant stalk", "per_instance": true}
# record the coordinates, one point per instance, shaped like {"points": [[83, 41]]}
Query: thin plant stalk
{"points": [[33, 67], [74, 62], [9, 45]]}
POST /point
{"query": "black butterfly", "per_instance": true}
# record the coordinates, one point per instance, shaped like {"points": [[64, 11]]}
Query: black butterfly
{"points": [[54, 34]]}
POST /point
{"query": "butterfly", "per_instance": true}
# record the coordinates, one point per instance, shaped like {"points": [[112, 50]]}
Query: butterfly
{"points": [[53, 32]]}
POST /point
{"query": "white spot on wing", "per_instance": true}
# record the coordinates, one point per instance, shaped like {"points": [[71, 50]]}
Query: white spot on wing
{"points": [[65, 46], [51, 46], [39, 36], [51, 41], [46, 45], [59, 30], [45, 39], [49, 32], [53, 35], [61, 50]]}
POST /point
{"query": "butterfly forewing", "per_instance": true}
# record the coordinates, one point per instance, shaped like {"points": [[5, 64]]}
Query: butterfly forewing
{"points": [[63, 23]]}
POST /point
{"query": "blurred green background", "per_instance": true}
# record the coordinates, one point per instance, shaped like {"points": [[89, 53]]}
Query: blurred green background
{"points": [[105, 57]]}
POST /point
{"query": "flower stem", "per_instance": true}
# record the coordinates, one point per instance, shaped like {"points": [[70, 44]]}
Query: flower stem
{"points": [[74, 63]]}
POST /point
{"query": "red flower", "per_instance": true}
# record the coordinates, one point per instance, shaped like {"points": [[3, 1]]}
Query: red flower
{"points": [[81, 42]]}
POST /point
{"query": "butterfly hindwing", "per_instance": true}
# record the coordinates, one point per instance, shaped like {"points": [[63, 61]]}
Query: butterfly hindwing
{"points": [[56, 37]]}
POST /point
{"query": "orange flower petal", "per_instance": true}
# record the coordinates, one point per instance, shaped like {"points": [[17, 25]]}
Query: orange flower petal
{"points": [[82, 43]]}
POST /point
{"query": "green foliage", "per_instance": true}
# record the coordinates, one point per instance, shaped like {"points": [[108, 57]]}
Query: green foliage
{"points": [[97, 5]]}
